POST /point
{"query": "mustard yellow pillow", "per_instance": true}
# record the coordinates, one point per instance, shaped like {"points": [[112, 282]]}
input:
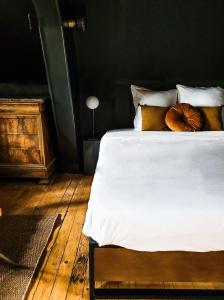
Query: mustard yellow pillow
{"points": [[212, 118], [153, 118]]}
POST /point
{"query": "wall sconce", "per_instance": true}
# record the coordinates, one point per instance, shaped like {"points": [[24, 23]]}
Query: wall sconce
{"points": [[79, 23], [92, 103]]}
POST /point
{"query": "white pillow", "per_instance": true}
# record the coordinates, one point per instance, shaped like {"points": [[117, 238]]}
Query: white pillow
{"points": [[200, 96], [144, 96], [138, 119]]}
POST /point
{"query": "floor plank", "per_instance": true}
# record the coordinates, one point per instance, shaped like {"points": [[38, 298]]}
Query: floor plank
{"points": [[36, 280], [48, 277], [77, 281], [66, 266]]}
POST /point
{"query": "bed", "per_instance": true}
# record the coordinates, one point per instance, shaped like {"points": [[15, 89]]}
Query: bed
{"points": [[156, 210]]}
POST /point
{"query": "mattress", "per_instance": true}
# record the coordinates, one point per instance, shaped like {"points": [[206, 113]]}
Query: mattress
{"points": [[159, 191]]}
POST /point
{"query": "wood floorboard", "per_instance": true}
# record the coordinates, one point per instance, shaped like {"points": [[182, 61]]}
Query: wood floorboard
{"points": [[77, 281], [63, 274]]}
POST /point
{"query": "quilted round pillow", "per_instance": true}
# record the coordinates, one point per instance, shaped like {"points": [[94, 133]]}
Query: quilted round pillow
{"points": [[184, 117]]}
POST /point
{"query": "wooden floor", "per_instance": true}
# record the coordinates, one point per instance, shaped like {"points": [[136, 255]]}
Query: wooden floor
{"points": [[63, 273], [64, 269]]}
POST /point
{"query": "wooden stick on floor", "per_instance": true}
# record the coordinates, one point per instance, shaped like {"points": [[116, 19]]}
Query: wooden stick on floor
{"points": [[7, 260]]}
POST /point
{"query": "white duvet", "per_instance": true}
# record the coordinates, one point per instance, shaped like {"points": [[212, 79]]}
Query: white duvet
{"points": [[159, 191]]}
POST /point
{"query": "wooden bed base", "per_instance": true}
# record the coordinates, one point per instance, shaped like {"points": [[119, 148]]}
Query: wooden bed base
{"points": [[112, 263]]}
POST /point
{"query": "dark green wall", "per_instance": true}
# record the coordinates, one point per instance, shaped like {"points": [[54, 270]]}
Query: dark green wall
{"points": [[21, 59], [155, 43], [151, 42]]}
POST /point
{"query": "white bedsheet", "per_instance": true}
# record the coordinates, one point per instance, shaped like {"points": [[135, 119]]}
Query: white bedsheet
{"points": [[159, 191]]}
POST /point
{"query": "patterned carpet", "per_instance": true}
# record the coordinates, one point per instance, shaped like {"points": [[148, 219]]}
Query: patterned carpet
{"points": [[23, 239]]}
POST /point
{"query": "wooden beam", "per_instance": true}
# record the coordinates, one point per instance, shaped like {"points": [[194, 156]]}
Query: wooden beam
{"points": [[63, 94]]}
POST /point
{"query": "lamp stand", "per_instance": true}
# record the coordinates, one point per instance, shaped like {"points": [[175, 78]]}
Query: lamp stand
{"points": [[93, 124]]}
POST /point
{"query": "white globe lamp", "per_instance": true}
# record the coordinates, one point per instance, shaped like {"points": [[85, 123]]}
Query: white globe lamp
{"points": [[92, 103]]}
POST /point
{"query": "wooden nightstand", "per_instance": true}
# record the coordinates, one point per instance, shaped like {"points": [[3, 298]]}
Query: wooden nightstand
{"points": [[26, 138], [90, 155]]}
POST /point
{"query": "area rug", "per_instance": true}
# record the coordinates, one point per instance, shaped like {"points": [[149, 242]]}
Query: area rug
{"points": [[23, 239]]}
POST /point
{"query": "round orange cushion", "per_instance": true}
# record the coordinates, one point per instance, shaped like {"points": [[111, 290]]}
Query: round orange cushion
{"points": [[184, 117]]}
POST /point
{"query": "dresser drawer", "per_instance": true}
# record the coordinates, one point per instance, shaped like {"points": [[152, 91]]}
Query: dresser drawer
{"points": [[23, 156], [19, 141], [18, 125], [26, 138]]}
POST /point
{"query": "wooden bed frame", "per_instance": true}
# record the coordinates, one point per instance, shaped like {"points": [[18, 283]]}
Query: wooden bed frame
{"points": [[113, 263]]}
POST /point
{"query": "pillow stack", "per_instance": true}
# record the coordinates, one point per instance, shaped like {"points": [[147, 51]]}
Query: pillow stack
{"points": [[181, 109], [208, 100], [151, 107]]}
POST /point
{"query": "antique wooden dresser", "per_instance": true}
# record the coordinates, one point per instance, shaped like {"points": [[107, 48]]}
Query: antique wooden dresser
{"points": [[26, 138]]}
